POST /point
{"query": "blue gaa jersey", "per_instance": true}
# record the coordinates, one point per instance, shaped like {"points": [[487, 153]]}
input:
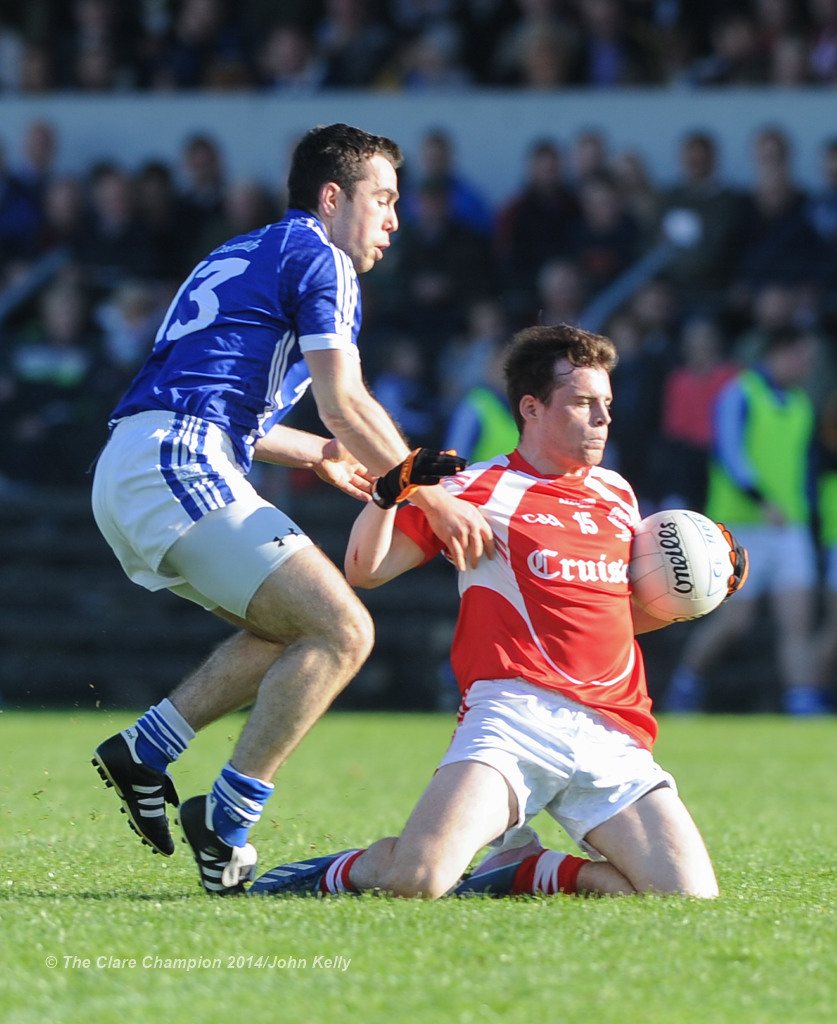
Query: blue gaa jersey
{"points": [[232, 346]]}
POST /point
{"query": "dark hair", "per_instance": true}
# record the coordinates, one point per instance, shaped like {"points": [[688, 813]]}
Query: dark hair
{"points": [[782, 338], [701, 138], [338, 153], [533, 352], [543, 145]]}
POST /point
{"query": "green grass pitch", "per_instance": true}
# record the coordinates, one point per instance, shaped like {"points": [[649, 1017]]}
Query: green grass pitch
{"points": [[80, 897]]}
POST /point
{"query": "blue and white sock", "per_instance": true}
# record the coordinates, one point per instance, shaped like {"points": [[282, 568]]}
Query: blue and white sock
{"points": [[239, 801], [163, 735]]}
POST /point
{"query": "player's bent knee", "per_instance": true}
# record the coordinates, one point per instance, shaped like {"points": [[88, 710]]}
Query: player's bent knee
{"points": [[425, 888], [418, 881], [704, 889], [309, 600], [694, 892], [353, 635], [697, 885]]}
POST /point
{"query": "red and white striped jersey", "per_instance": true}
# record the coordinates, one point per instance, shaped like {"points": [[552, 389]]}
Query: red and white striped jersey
{"points": [[553, 605]]}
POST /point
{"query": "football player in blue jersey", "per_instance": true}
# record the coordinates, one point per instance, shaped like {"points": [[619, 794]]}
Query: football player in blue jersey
{"points": [[259, 320]]}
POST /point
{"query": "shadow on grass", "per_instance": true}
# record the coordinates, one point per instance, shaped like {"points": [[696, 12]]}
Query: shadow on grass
{"points": [[134, 897]]}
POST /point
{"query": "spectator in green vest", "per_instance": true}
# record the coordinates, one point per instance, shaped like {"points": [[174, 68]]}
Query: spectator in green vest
{"points": [[825, 647], [761, 488], [481, 424]]}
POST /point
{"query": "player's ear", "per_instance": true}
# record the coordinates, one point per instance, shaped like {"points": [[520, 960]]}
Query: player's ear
{"points": [[328, 197], [529, 407]]}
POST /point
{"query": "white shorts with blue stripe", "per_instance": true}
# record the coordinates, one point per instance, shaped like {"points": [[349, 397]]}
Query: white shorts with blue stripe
{"points": [[166, 479]]}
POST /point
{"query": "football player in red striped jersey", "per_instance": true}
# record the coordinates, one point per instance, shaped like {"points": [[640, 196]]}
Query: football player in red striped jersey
{"points": [[555, 710]]}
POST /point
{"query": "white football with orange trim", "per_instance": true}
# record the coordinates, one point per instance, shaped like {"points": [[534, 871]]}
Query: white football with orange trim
{"points": [[680, 565]]}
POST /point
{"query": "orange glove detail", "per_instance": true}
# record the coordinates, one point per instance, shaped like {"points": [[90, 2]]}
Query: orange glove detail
{"points": [[423, 467]]}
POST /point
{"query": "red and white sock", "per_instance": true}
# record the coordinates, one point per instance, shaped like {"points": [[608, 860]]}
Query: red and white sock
{"points": [[548, 872], [336, 877]]}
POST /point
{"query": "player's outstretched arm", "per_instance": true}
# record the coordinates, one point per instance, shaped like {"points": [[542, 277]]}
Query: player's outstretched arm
{"points": [[460, 526], [378, 551], [365, 428], [347, 409], [330, 460]]}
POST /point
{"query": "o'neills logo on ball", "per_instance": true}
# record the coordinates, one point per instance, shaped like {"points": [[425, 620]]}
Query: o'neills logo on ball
{"points": [[672, 548]]}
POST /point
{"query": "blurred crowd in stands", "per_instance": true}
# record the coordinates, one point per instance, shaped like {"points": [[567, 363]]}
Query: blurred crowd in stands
{"points": [[305, 45], [88, 264], [695, 279]]}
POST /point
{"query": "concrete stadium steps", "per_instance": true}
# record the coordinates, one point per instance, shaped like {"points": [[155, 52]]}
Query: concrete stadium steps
{"points": [[75, 632]]}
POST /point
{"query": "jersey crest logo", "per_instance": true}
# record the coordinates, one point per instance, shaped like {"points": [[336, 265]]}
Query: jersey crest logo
{"points": [[622, 521], [542, 519]]}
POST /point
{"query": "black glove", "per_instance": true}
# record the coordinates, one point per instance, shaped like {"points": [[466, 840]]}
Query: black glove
{"points": [[422, 466], [740, 561]]}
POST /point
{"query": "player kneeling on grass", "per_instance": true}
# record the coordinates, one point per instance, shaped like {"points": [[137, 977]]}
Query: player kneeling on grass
{"points": [[555, 711]]}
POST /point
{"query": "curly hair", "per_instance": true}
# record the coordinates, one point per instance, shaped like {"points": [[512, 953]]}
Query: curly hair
{"points": [[529, 367]]}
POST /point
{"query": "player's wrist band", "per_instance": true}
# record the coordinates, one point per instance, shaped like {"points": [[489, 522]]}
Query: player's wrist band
{"points": [[379, 499]]}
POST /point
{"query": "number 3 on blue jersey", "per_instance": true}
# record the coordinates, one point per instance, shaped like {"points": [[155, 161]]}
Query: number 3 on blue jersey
{"points": [[209, 275]]}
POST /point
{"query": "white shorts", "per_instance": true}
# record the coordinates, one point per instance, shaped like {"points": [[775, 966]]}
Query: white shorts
{"points": [[555, 754], [164, 480], [782, 558]]}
